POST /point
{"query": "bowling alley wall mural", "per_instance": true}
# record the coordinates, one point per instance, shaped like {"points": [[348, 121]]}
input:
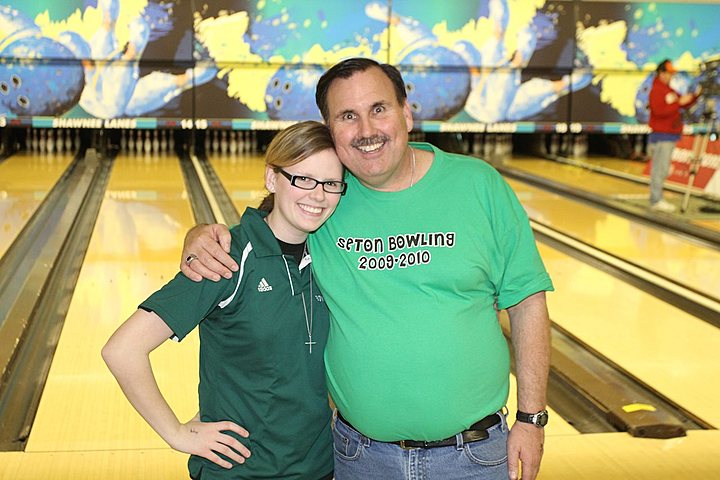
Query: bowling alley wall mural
{"points": [[249, 64]]}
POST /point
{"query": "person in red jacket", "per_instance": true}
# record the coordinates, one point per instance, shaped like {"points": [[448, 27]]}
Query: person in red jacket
{"points": [[666, 125]]}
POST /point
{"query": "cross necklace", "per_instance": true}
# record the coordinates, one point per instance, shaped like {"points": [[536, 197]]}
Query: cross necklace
{"points": [[308, 321]]}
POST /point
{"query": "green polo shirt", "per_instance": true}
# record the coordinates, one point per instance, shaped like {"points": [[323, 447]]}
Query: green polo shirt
{"points": [[255, 366]]}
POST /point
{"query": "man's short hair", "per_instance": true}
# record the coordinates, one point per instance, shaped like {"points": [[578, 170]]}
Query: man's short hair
{"points": [[349, 67], [665, 66]]}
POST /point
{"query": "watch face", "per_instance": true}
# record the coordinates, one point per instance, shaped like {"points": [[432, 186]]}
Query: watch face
{"points": [[541, 419]]}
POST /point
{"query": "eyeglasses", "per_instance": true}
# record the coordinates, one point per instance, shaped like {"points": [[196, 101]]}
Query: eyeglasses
{"points": [[309, 183]]}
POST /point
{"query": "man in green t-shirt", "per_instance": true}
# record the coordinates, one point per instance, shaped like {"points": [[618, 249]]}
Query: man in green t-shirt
{"points": [[418, 258]]}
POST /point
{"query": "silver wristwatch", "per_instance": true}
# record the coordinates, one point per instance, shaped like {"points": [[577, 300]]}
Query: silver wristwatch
{"points": [[539, 419]]}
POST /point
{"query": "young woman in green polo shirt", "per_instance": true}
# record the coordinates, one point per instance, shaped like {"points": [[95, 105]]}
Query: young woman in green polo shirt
{"points": [[263, 403]]}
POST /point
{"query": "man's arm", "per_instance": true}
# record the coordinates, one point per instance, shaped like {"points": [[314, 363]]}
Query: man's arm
{"points": [[530, 326], [205, 253], [663, 104], [689, 99]]}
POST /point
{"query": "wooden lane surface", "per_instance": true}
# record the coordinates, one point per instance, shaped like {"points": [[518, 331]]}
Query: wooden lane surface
{"points": [[607, 456], [25, 180], [243, 177], [133, 251], [618, 456], [660, 344], [667, 348], [659, 251], [602, 184]]}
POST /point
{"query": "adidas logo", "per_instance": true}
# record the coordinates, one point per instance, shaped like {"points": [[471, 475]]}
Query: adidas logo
{"points": [[264, 286]]}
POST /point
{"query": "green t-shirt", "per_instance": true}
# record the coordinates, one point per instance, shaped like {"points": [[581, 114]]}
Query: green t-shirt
{"points": [[412, 279], [255, 367]]}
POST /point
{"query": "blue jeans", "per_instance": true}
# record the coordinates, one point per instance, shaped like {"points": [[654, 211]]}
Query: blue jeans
{"points": [[358, 457], [661, 154]]}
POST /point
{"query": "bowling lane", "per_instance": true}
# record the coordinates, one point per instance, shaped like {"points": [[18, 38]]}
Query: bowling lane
{"points": [[25, 180], [133, 251], [603, 184], [662, 345], [243, 177], [578, 177], [662, 252], [669, 349]]}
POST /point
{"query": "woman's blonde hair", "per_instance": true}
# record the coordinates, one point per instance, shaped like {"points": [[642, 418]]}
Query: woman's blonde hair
{"points": [[293, 145]]}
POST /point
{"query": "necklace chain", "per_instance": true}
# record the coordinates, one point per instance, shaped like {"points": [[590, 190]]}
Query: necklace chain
{"points": [[308, 321], [412, 168]]}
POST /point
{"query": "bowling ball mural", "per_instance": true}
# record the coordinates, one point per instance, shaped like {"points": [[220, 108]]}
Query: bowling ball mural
{"points": [[43, 85], [260, 59], [434, 92], [38, 75], [288, 91]]}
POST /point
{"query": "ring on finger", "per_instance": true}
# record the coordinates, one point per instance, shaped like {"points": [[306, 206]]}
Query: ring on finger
{"points": [[190, 258]]}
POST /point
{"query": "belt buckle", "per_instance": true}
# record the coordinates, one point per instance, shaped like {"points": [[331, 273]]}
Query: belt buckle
{"points": [[404, 444], [412, 444]]}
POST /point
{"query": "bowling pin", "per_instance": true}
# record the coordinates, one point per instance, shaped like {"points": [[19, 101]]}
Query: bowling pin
{"points": [[148, 143], [223, 142], [68, 139], [489, 145], [49, 141], [241, 141], [233, 142], [59, 143]]}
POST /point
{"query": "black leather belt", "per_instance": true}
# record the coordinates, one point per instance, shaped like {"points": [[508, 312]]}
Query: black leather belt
{"points": [[476, 432]]}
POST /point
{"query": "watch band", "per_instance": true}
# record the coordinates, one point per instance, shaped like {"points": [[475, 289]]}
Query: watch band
{"points": [[539, 419]]}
